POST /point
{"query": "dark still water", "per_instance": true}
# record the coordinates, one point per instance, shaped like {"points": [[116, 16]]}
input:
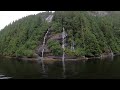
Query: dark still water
{"points": [[91, 69]]}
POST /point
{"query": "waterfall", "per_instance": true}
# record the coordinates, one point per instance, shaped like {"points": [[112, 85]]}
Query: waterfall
{"points": [[63, 43], [43, 46], [48, 19], [63, 46], [72, 46]]}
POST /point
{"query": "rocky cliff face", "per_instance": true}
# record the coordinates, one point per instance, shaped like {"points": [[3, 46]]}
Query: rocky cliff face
{"points": [[102, 13], [98, 13]]}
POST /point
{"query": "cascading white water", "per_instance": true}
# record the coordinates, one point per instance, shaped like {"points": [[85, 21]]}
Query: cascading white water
{"points": [[48, 19], [43, 46], [73, 46], [63, 43], [63, 46]]}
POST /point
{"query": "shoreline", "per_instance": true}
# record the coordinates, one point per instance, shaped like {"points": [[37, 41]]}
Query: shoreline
{"points": [[53, 59]]}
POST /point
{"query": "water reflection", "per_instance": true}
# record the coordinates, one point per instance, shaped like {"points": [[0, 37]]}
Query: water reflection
{"points": [[108, 68], [64, 69], [43, 68], [109, 58]]}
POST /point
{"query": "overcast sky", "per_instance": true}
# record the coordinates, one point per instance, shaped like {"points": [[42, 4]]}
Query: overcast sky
{"points": [[7, 17]]}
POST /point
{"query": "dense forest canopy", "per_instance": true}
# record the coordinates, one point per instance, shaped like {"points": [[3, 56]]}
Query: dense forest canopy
{"points": [[23, 36], [90, 33]]}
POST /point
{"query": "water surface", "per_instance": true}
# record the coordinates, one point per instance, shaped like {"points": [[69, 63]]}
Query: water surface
{"points": [[91, 69]]}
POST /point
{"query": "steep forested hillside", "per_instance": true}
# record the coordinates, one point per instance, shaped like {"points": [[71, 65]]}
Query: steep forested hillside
{"points": [[23, 36], [87, 34], [91, 35]]}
